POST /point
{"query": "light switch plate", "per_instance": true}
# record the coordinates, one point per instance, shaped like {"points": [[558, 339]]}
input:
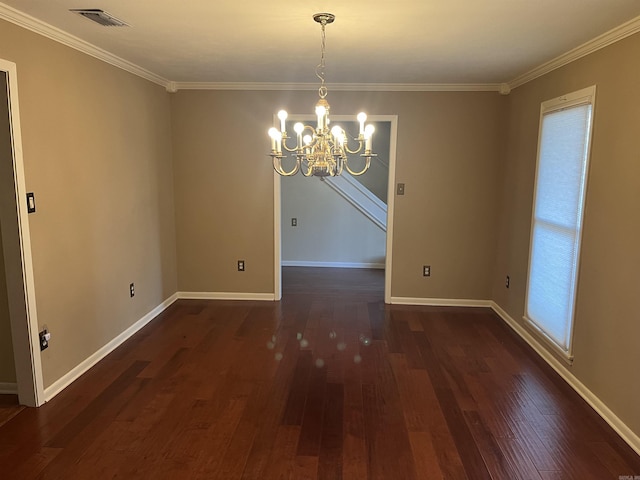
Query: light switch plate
{"points": [[31, 202]]}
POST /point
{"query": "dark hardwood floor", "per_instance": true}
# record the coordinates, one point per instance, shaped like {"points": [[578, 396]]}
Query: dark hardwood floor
{"points": [[328, 384], [9, 408]]}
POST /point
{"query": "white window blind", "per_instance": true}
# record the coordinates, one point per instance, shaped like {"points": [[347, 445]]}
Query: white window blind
{"points": [[557, 220]]}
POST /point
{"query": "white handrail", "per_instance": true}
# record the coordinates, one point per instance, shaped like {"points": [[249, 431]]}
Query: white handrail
{"points": [[360, 197]]}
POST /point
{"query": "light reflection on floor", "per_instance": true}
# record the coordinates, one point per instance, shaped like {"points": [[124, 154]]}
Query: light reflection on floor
{"points": [[340, 346]]}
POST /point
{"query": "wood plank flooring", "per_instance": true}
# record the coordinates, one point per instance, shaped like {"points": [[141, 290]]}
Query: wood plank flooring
{"points": [[9, 408], [329, 383]]}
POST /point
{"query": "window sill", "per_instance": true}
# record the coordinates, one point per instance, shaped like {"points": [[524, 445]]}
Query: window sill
{"points": [[544, 339]]}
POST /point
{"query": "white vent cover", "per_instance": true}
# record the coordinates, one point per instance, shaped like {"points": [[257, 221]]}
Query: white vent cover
{"points": [[100, 16]]}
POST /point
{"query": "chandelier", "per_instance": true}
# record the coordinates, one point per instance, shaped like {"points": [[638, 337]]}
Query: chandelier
{"points": [[320, 151]]}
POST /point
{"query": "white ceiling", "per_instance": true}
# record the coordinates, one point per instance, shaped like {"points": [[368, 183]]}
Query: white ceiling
{"points": [[373, 41]]}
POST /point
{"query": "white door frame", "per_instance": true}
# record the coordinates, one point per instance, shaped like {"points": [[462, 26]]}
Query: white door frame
{"points": [[22, 311], [277, 220]]}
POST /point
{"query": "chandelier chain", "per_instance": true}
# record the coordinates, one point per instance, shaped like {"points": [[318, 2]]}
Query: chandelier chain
{"points": [[322, 91]]}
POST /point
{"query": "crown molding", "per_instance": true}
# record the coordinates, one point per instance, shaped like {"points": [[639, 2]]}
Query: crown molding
{"points": [[612, 36], [345, 87], [33, 24]]}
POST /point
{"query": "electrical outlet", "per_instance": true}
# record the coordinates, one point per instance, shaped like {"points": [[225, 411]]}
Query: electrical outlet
{"points": [[241, 265], [507, 282], [294, 222], [426, 270], [45, 336], [132, 290]]}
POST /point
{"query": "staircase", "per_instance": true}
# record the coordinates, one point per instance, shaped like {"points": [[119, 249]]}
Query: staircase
{"points": [[360, 197]]}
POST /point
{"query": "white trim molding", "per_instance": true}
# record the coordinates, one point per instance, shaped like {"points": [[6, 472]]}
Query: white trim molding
{"points": [[345, 87], [59, 385], [391, 199], [598, 405], [8, 388], [38, 26], [266, 297], [305, 263], [612, 36], [277, 237], [440, 302]]}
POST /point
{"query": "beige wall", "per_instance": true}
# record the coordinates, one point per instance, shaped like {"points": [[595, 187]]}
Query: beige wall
{"points": [[223, 191], [97, 154], [606, 323], [449, 156]]}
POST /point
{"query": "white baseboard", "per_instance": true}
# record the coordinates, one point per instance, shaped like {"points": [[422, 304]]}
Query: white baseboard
{"points": [[56, 387], [440, 302], [8, 388], [598, 405], [304, 263], [226, 296]]}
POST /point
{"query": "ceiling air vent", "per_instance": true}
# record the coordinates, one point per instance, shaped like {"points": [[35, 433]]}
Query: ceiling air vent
{"points": [[100, 16]]}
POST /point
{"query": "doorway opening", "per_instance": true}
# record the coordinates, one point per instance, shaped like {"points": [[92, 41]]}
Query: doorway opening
{"points": [[16, 245], [375, 215]]}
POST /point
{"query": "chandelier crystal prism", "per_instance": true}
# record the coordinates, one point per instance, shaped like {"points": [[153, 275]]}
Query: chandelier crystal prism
{"points": [[321, 151]]}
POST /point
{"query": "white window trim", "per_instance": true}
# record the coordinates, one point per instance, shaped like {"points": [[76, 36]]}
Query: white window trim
{"points": [[584, 96]]}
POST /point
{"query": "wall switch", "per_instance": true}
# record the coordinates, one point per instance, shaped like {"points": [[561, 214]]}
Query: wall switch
{"points": [[45, 336], [294, 222], [426, 270], [400, 189], [241, 265], [506, 282], [132, 290], [31, 202]]}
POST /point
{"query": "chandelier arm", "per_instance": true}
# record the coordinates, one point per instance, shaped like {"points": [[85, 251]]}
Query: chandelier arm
{"points": [[311, 129], [286, 147], [309, 171], [366, 167], [357, 150], [299, 150], [277, 166]]}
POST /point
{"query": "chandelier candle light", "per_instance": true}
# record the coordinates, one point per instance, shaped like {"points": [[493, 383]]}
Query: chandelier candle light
{"points": [[325, 151]]}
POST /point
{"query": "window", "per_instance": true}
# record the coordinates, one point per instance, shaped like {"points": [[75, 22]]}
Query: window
{"points": [[563, 154]]}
